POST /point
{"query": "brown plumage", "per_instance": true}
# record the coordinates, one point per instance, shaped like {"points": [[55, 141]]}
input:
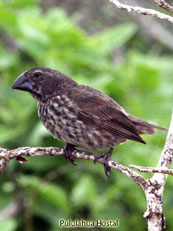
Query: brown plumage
{"points": [[80, 115]]}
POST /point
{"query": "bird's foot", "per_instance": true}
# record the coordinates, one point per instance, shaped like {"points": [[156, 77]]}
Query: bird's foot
{"points": [[69, 148], [106, 157]]}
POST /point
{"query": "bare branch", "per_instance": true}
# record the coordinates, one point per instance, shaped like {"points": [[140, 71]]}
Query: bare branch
{"points": [[154, 193], [141, 10], [164, 5], [166, 157], [19, 153], [153, 28], [152, 170]]}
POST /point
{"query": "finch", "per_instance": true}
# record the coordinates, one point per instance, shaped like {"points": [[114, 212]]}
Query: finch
{"points": [[80, 115]]}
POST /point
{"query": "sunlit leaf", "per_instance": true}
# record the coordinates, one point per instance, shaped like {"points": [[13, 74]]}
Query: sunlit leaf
{"points": [[114, 37], [84, 191], [9, 224]]}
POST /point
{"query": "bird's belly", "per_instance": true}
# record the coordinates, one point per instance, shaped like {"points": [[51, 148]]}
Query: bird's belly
{"points": [[64, 125]]}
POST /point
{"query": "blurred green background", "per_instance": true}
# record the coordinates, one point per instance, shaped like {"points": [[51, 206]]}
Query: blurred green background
{"points": [[99, 46]]}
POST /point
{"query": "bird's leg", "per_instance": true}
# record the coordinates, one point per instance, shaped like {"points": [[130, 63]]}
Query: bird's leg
{"points": [[106, 157], [69, 148]]}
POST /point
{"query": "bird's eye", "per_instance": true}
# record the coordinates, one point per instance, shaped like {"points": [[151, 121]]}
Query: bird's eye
{"points": [[37, 74]]}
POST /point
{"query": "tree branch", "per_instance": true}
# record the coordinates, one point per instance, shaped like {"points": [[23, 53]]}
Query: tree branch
{"points": [[164, 5], [19, 153], [154, 193], [141, 10], [152, 28]]}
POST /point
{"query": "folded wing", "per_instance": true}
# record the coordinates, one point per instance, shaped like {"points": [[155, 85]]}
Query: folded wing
{"points": [[100, 111]]}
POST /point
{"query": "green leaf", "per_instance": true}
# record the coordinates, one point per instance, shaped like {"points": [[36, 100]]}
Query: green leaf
{"points": [[84, 192], [112, 38], [55, 195], [7, 18], [7, 60], [49, 192], [22, 4], [8, 225], [147, 77]]}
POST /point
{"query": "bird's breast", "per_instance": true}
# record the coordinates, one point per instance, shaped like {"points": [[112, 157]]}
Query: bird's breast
{"points": [[60, 117]]}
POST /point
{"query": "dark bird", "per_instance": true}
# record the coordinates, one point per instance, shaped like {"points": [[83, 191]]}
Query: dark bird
{"points": [[80, 115]]}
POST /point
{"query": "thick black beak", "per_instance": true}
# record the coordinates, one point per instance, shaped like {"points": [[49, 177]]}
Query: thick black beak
{"points": [[22, 83]]}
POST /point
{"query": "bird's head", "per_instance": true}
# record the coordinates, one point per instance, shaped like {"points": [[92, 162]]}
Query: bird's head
{"points": [[43, 83]]}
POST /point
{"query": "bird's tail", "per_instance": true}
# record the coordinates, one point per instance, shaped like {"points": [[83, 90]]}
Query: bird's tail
{"points": [[144, 127]]}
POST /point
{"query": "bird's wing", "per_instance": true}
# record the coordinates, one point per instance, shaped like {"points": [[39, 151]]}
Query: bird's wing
{"points": [[99, 110]]}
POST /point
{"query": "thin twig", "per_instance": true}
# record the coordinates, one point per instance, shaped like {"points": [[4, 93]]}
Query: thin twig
{"points": [[152, 170], [141, 10]]}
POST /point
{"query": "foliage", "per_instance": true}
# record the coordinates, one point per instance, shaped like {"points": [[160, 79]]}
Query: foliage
{"points": [[141, 83]]}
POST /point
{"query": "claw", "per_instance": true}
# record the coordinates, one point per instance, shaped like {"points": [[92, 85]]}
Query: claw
{"points": [[69, 148], [106, 157], [107, 169]]}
